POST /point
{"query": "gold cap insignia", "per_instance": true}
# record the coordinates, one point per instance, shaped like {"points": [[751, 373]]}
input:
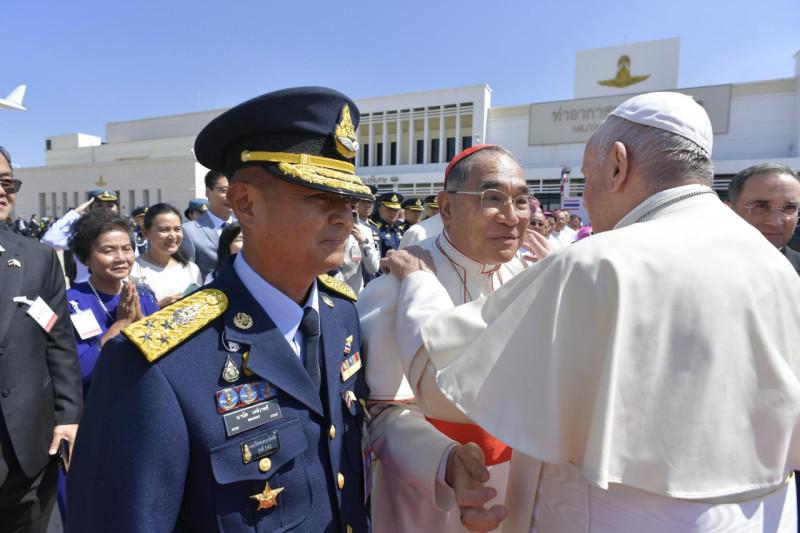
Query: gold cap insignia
{"points": [[394, 198], [345, 135], [243, 321], [157, 334]]}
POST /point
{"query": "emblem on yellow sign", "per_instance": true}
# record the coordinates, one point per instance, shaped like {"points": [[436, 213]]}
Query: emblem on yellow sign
{"points": [[345, 135], [623, 77]]}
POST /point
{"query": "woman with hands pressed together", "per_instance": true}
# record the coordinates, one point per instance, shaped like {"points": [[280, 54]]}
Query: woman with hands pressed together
{"points": [[103, 306]]}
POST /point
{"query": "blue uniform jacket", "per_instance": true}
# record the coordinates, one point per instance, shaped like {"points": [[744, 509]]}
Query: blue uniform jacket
{"points": [[152, 453]]}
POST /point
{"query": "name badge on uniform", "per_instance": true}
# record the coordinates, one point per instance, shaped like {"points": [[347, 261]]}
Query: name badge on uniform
{"points": [[40, 312], [350, 366], [260, 446], [251, 417], [85, 324]]}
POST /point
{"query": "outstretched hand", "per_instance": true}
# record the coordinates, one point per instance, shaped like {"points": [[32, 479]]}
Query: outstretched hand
{"points": [[467, 474]]}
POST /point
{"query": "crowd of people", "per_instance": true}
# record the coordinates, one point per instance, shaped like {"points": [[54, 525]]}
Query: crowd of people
{"points": [[297, 351]]}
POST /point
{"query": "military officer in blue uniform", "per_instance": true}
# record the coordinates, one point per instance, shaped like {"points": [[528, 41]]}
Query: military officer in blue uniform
{"points": [[240, 407], [389, 229], [412, 208]]}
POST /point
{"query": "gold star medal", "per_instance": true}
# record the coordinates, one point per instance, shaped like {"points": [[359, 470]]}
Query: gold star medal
{"points": [[268, 498]]}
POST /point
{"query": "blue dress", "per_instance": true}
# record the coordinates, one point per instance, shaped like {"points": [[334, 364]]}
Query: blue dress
{"points": [[80, 298]]}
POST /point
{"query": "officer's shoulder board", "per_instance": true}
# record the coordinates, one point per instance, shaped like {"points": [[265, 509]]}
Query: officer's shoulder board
{"points": [[373, 223], [340, 288], [157, 334]]}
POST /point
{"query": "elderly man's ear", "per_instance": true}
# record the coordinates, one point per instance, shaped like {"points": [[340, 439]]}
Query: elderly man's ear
{"points": [[618, 158]]}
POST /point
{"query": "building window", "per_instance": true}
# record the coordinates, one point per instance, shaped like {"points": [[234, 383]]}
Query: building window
{"points": [[131, 200], [48, 145], [393, 153], [434, 150], [420, 151], [466, 142], [451, 148], [365, 156], [146, 197], [379, 154], [159, 195]]}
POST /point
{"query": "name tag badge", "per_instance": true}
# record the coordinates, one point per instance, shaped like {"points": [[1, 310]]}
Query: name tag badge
{"points": [[85, 324], [260, 446], [251, 417], [350, 366], [42, 314]]}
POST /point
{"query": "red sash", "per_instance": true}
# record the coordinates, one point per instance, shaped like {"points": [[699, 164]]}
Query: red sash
{"points": [[494, 451]]}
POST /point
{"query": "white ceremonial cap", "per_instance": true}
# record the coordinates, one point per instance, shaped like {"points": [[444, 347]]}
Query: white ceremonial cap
{"points": [[674, 112]]}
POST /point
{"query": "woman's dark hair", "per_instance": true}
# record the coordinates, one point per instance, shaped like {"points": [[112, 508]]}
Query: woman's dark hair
{"points": [[228, 235], [164, 209], [87, 229]]}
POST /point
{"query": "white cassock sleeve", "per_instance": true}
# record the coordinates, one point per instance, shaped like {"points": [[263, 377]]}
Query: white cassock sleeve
{"points": [[405, 443]]}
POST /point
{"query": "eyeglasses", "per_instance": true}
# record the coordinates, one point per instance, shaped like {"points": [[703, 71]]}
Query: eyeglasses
{"points": [[763, 210], [492, 199], [10, 185]]}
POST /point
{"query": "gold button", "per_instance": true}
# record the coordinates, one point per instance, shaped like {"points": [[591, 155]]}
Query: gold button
{"points": [[332, 432], [264, 464], [349, 529], [340, 480]]}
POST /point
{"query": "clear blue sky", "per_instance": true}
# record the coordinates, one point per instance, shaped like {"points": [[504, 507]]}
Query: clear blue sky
{"points": [[90, 62]]}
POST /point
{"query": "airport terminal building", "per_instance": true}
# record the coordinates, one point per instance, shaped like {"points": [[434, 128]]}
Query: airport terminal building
{"points": [[406, 140]]}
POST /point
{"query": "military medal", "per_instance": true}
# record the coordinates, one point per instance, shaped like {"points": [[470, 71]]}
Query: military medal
{"points": [[327, 301], [350, 366], [16, 263], [230, 372], [268, 498], [227, 399], [247, 394]]}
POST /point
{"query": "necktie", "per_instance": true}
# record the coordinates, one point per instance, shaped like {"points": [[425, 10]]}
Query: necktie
{"points": [[309, 327]]}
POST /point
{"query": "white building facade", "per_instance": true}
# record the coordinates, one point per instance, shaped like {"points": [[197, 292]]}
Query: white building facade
{"points": [[406, 140]]}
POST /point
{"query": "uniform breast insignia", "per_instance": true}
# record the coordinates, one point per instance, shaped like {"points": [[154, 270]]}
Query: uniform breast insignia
{"points": [[162, 331], [348, 344], [327, 300], [14, 263], [230, 372], [260, 446], [231, 398], [350, 366], [268, 498], [339, 287]]}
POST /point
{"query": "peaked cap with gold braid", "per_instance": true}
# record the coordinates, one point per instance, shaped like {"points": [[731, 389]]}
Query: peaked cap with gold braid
{"points": [[303, 135]]}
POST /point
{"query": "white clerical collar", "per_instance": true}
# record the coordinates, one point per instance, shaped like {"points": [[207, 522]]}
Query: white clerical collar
{"points": [[218, 222], [281, 309], [662, 198], [470, 266]]}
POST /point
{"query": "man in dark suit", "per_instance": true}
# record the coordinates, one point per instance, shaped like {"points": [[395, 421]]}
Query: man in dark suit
{"points": [[40, 379], [240, 407], [201, 236], [768, 197]]}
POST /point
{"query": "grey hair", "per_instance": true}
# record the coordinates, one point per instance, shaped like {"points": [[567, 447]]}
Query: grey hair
{"points": [[765, 169], [5, 154], [663, 157], [463, 170]]}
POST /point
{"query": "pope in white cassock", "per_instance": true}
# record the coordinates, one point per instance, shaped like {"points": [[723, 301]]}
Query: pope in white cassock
{"points": [[647, 375], [485, 210]]}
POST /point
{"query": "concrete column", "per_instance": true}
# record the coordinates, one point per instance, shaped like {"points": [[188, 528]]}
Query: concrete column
{"points": [[385, 140], [371, 137], [442, 133], [458, 128], [426, 134], [411, 139], [399, 139]]}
